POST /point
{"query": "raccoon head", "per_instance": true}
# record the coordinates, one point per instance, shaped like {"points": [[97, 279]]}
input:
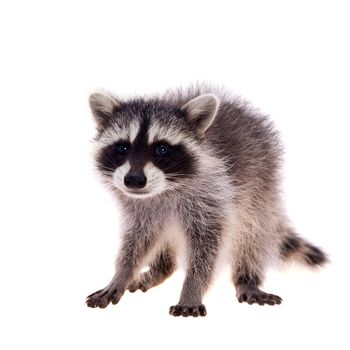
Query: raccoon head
{"points": [[147, 147]]}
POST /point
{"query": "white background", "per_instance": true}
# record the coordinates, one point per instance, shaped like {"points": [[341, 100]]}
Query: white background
{"points": [[59, 226]]}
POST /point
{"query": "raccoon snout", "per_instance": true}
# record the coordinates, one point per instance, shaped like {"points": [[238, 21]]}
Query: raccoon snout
{"points": [[135, 179]]}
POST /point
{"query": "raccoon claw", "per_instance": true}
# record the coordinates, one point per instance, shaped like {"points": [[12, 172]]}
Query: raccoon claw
{"points": [[259, 297], [185, 311], [103, 297]]}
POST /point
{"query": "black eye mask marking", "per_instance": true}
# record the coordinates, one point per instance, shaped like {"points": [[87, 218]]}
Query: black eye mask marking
{"points": [[113, 156], [174, 160]]}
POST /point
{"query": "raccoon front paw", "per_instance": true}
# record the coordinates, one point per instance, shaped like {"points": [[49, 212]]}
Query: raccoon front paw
{"points": [[256, 296], [195, 311], [103, 297]]}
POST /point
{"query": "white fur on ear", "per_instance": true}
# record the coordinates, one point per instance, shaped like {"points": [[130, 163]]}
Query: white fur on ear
{"points": [[102, 107], [201, 112]]}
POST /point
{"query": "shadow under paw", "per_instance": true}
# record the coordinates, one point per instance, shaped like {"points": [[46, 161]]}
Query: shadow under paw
{"points": [[185, 311], [256, 296]]}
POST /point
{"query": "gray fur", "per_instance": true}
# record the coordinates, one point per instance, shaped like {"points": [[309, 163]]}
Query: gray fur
{"points": [[230, 203]]}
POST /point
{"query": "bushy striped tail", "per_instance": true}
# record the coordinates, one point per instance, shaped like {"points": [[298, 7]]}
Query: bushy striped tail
{"points": [[295, 247]]}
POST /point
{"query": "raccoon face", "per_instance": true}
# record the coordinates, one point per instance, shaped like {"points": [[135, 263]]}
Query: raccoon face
{"points": [[146, 147]]}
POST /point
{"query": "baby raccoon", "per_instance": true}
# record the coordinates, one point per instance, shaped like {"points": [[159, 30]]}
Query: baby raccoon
{"points": [[196, 173]]}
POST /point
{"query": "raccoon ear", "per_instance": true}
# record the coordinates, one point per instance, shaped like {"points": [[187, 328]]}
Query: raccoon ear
{"points": [[201, 112], [102, 107]]}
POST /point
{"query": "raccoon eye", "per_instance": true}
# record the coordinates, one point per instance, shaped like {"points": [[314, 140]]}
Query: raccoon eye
{"points": [[122, 148], [162, 149]]}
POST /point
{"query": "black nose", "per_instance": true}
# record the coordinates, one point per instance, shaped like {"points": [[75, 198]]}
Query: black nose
{"points": [[135, 179]]}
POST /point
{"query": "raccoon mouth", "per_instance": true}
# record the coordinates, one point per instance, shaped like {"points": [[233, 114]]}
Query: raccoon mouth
{"points": [[135, 193]]}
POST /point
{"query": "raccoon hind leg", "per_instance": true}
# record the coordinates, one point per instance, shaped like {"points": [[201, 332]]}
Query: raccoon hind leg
{"points": [[250, 255], [160, 269]]}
